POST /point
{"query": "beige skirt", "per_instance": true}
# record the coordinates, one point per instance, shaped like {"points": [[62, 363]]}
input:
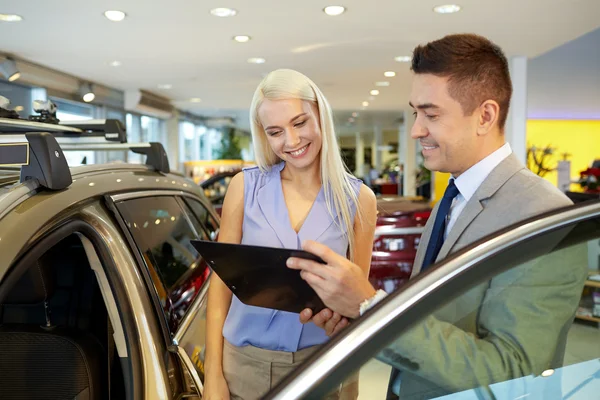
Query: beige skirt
{"points": [[252, 372]]}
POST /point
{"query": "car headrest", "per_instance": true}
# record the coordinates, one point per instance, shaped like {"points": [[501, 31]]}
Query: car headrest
{"points": [[36, 285]]}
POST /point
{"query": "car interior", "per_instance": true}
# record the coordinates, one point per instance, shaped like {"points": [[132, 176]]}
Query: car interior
{"points": [[55, 335]]}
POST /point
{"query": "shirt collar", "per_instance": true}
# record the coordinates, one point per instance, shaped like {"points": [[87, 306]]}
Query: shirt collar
{"points": [[469, 181]]}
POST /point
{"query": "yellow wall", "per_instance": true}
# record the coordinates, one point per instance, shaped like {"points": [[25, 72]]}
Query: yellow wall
{"points": [[581, 139]]}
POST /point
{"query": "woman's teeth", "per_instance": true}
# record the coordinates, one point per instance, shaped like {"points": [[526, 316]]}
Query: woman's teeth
{"points": [[299, 152]]}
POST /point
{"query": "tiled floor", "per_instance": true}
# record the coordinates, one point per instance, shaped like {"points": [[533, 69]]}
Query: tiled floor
{"points": [[583, 344]]}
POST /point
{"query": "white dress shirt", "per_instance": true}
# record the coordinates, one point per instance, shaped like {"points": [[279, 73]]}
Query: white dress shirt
{"points": [[469, 181]]}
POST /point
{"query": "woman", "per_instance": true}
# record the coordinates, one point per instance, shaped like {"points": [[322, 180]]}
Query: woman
{"points": [[299, 191]]}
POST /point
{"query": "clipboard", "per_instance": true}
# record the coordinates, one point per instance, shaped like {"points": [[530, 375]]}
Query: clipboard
{"points": [[259, 277]]}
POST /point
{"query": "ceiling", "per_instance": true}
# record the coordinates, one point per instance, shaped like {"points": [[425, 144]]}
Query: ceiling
{"points": [[182, 44]]}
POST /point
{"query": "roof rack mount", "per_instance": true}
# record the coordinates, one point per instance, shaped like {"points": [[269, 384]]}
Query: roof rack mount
{"points": [[40, 158]]}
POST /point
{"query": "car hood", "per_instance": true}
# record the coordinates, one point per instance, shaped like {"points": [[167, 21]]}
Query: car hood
{"points": [[395, 205]]}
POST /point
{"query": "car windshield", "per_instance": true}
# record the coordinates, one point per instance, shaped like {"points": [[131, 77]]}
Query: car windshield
{"points": [[515, 317]]}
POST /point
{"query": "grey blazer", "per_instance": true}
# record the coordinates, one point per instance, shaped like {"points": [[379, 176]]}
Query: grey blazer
{"points": [[511, 326]]}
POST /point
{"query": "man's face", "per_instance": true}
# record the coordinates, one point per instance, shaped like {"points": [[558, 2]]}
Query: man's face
{"points": [[449, 138]]}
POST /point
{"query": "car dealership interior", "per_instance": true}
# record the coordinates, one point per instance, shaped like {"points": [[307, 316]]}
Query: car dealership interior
{"points": [[124, 123]]}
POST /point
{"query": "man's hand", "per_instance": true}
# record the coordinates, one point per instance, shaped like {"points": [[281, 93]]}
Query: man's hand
{"points": [[331, 322], [341, 284]]}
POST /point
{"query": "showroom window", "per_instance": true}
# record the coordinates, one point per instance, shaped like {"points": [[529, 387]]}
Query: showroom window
{"points": [[190, 146], [142, 129], [20, 98], [73, 111], [153, 129], [114, 156]]}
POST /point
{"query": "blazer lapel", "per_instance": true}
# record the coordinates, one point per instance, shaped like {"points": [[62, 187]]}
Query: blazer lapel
{"points": [[425, 237], [471, 210], [494, 181], [273, 207]]}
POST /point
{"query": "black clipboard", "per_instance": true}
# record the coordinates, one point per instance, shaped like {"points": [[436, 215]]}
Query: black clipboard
{"points": [[259, 277]]}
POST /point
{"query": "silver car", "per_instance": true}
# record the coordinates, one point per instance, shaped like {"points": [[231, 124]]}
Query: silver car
{"points": [[99, 284]]}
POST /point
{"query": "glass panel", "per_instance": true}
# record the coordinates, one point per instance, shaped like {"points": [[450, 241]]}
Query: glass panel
{"points": [[114, 156], [529, 331], [162, 233], [20, 97], [151, 129], [188, 132], [133, 126], [204, 216], [69, 111]]}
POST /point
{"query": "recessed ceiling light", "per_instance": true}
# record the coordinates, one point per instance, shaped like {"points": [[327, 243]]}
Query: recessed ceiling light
{"points": [[87, 92], [115, 63], [89, 97], [223, 12], [9, 69], [403, 58], [382, 83], [365, 104], [165, 86], [447, 9], [256, 60], [547, 373], [389, 74], [10, 18], [195, 100], [334, 11], [241, 38], [374, 92], [355, 114], [115, 15]]}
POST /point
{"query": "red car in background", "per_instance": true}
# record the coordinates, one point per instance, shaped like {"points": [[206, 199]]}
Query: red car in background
{"points": [[400, 223]]}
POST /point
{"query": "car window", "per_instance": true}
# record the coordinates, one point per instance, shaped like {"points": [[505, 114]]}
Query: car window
{"points": [[162, 232], [205, 217], [530, 329]]}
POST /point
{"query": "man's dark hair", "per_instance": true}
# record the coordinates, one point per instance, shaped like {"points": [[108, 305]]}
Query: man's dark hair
{"points": [[476, 68]]}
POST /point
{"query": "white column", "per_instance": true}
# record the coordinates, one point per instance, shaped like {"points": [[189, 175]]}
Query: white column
{"points": [[409, 155], [377, 143], [360, 155], [516, 124], [172, 147]]}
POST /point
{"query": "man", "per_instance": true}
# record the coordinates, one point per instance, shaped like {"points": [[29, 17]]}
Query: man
{"points": [[460, 95]]}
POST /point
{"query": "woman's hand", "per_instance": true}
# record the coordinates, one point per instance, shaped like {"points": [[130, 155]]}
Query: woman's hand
{"points": [[215, 388], [328, 320]]}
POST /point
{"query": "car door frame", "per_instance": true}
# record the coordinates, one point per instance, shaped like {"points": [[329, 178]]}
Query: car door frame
{"points": [[81, 222], [421, 296], [172, 339]]}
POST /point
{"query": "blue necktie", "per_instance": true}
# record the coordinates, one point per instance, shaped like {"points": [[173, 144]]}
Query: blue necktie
{"points": [[439, 226]]}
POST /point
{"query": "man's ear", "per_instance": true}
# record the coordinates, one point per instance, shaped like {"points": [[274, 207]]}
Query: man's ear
{"points": [[489, 112]]}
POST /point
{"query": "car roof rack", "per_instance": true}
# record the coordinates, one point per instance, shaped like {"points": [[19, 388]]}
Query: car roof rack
{"points": [[110, 129], [41, 158], [76, 135]]}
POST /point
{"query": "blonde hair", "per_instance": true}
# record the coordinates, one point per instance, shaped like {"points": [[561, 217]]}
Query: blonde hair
{"points": [[289, 84]]}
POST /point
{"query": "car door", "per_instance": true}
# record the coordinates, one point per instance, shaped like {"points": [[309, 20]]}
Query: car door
{"points": [[161, 226], [515, 316]]}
